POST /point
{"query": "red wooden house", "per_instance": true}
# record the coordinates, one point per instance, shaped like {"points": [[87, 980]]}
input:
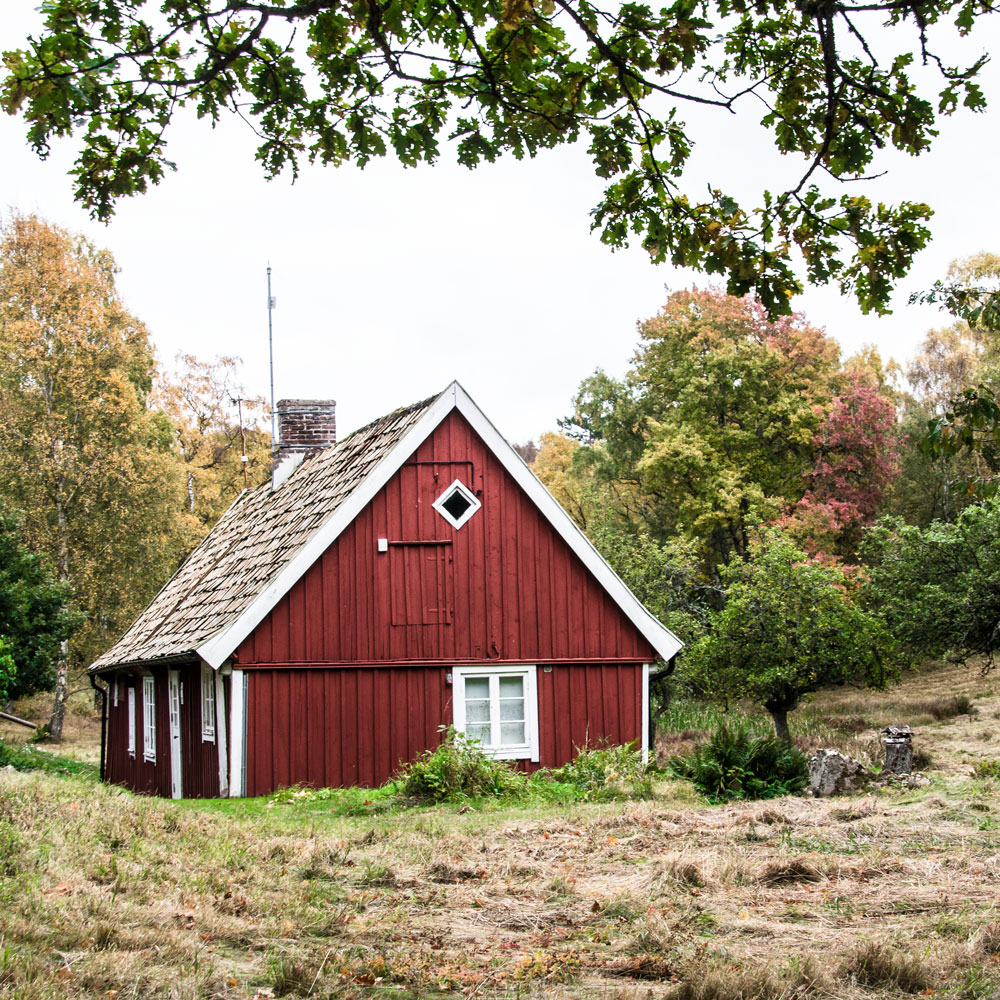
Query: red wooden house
{"points": [[413, 575]]}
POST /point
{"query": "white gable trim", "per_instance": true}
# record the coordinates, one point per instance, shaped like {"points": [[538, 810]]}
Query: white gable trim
{"points": [[222, 645]]}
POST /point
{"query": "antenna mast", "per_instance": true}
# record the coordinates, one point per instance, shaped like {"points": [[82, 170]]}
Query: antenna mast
{"points": [[270, 350]]}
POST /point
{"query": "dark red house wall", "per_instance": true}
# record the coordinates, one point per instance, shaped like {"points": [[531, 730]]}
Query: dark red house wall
{"points": [[199, 759], [339, 727], [333, 727], [134, 772], [584, 704], [512, 589]]}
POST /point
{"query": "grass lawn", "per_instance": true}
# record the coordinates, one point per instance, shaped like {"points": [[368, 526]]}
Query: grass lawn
{"points": [[892, 892]]}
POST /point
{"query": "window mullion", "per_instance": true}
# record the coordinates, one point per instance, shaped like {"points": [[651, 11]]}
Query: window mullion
{"points": [[495, 710]]}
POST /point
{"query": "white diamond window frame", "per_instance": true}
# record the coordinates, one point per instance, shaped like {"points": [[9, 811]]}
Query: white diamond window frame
{"points": [[457, 487]]}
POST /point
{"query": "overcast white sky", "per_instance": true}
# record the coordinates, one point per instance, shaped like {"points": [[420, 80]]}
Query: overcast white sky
{"points": [[392, 282]]}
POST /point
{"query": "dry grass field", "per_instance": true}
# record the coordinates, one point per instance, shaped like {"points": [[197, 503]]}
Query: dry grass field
{"points": [[890, 892]]}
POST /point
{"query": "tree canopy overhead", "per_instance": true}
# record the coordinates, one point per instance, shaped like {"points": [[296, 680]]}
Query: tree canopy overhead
{"points": [[347, 80]]}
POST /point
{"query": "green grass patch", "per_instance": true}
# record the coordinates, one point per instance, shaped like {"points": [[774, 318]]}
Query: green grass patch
{"points": [[28, 758], [457, 775]]}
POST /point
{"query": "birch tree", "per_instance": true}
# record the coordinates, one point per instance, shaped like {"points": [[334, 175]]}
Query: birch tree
{"points": [[84, 459], [216, 423]]}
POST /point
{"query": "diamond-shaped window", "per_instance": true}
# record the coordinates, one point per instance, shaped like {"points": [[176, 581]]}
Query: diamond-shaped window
{"points": [[457, 504]]}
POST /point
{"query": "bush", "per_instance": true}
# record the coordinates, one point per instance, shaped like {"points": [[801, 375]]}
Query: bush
{"points": [[737, 765], [458, 769], [852, 724], [608, 772], [8, 670], [949, 708], [986, 769]]}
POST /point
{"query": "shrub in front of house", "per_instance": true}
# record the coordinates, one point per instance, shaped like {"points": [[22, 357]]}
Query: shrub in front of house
{"points": [[458, 769], [607, 772], [735, 764]]}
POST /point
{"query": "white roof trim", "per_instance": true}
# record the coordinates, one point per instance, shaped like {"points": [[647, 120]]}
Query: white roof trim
{"points": [[222, 645]]}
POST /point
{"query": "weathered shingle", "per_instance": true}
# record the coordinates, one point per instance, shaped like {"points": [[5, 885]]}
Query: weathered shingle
{"points": [[252, 542]]}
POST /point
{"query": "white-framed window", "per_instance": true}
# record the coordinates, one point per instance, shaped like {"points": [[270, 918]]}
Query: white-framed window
{"points": [[116, 692], [148, 719], [499, 707], [457, 504], [207, 704], [131, 720]]}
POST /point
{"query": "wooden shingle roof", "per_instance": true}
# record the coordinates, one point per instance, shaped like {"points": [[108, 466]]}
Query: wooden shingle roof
{"points": [[252, 543]]}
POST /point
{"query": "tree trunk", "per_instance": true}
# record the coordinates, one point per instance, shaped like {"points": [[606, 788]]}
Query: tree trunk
{"points": [[780, 717], [62, 667], [62, 686]]}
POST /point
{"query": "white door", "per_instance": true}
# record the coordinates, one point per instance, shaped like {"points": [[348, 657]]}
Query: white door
{"points": [[174, 697]]}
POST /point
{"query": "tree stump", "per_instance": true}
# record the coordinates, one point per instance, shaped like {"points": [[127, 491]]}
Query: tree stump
{"points": [[898, 742]]}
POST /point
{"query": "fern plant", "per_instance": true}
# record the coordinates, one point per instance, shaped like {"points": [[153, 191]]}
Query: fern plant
{"points": [[735, 764]]}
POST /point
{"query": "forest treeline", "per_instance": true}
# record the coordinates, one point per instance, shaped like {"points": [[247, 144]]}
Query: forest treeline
{"points": [[112, 464], [776, 504]]}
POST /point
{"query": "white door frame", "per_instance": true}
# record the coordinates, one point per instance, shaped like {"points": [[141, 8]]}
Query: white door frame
{"points": [[238, 734], [221, 726], [174, 705]]}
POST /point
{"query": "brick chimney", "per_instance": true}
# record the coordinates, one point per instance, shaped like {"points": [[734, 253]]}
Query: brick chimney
{"points": [[305, 426]]}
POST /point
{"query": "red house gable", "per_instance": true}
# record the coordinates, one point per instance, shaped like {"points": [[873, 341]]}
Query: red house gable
{"points": [[502, 586]]}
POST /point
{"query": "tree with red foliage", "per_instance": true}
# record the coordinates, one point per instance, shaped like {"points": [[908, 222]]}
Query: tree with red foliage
{"points": [[857, 462]]}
